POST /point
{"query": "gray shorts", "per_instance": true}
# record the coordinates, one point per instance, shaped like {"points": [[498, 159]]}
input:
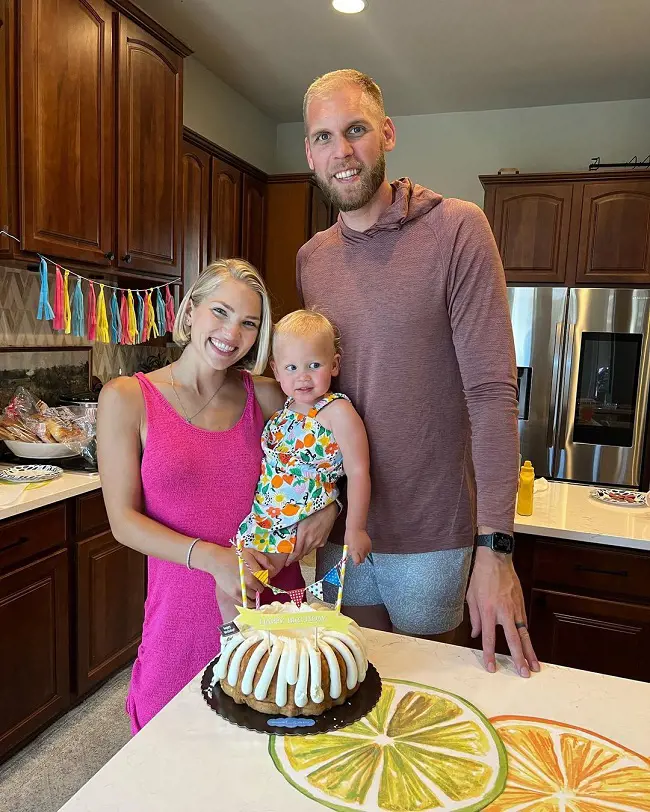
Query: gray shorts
{"points": [[424, 593]]}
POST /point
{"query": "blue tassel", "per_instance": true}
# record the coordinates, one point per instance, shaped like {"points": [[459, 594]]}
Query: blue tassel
{"points": [[160, 313], [78, 316], [44, 308], [116, 324], [140, 315]]}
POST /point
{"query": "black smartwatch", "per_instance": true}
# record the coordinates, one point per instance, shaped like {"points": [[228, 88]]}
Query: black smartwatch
{"points": [[499, 542]]}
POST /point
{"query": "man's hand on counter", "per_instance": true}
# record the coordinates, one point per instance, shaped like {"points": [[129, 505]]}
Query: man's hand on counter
{"points": [[494, 597]]}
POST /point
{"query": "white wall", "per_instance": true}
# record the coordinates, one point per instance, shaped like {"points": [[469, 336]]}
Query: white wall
{"points": [[447, 151], [216, 111]]}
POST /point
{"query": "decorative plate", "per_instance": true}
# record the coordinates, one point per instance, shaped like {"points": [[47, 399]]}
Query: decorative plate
{"points": [[30, 473], [620, 496]]}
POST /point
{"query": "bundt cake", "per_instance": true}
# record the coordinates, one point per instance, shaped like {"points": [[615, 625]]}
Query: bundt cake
{"points": [[294, 671]]}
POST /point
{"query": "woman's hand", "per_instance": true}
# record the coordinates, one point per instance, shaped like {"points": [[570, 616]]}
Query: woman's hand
{"points": [[313, 532], [223, 564]]}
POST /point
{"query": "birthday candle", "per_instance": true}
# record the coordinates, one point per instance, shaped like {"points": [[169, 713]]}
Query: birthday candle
{"points": [[339, 597]]}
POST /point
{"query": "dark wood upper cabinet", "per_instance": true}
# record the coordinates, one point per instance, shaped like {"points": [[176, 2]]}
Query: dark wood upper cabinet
{"points": [[149, 137], [67, 128], [614, 246], [253, 220], [321, 212], [225, 225], [7, 129], [531, 226], [195, 207], [34, 637], [572, 228], [110, 607]]}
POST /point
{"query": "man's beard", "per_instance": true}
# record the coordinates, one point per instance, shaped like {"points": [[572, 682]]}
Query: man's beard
{"points": [[364, 190]]}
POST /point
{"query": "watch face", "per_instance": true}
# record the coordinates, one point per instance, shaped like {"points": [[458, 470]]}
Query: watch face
{"points": [[502, 543]]}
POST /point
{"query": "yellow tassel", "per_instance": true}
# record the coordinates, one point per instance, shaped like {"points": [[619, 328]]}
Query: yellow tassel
{"points": [[67, 313], [153, 327], [102, 320], [133, 323]]}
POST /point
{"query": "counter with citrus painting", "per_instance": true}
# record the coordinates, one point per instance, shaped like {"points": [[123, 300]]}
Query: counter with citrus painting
{"points": [[445, 735]]}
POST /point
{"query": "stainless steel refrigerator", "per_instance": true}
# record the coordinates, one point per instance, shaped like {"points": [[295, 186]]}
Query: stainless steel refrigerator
{"points": [[583, 361]]}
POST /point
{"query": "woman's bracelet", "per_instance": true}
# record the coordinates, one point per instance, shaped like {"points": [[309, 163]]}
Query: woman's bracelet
{"points": [[189, 553]]}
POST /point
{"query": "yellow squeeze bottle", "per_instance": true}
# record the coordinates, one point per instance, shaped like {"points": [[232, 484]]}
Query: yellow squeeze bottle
{"points": [[525, 490]]}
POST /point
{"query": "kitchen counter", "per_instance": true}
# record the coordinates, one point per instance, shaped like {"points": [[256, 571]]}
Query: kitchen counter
{"points": [[17, 499], [190, 758], [567, 511]]}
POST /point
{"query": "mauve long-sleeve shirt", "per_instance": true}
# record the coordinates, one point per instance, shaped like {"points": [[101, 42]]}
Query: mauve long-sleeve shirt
{"points": [[428, 360]]}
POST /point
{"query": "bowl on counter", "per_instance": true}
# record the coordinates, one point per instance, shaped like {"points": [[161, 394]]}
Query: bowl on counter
{"points": [[39, 451]]}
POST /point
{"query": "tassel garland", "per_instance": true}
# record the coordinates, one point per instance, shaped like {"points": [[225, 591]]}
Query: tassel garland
{"points": [[124, 320], [115, 319], [78, 310], [140, 312], [67, 316], [169, 310], [92, 313], [103, 335], [44, 308], [161, 317], [132, 323], [58, 322]]}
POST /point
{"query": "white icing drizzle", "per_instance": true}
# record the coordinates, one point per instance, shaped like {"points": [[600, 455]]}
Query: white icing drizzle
{"points": [[238, 656], [301, 695], [251, 667], [315, 691], [262, 687], [355, 647], [282, 684], [222, 666], [350, 663], [335, 673], [296, 657]]}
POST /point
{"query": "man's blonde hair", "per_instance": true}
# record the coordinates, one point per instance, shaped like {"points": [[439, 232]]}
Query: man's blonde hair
{"points": [[306, 323], [325, 84], [208, 280]]}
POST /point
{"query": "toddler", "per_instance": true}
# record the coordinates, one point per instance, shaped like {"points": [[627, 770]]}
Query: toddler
{"points": [[308, 445]]}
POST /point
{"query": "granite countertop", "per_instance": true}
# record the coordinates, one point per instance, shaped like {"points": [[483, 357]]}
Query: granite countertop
{"points": [[567, 511], [17, 499], [189, 758]]}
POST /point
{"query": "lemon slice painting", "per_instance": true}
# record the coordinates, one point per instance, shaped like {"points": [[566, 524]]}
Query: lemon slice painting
{"points": [[418, 749], [554, 767]]}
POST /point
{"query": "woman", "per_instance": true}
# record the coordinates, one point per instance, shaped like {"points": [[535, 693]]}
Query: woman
{"points": [[179, 457]]}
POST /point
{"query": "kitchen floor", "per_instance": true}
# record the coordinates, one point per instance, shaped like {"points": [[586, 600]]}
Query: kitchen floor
{"points": [[46, 773]]}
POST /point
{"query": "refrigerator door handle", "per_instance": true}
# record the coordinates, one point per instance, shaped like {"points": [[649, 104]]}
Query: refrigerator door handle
{"points": [[553, 403], [570, 362]]}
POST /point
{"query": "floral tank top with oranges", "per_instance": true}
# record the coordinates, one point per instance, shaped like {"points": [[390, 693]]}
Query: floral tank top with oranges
{"points": [[300, 467]]}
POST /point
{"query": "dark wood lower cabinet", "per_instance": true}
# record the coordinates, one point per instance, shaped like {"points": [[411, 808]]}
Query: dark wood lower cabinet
{"points": [[34, 647], [592, 634], [110, 607]]}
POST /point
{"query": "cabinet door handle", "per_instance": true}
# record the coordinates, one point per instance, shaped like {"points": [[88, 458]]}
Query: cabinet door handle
{"points": [[126, 258], [20, 540], [596, 571], [109, 255]]}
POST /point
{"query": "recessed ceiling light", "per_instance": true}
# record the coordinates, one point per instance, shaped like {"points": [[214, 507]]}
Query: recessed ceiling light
{"points": [[349, 6]]}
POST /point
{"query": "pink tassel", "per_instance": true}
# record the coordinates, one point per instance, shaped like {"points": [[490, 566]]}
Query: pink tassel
{"points": [[124, 319], [59, 314], [169, 310], [92, 315]]}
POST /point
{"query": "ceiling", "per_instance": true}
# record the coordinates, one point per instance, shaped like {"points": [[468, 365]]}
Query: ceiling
{"points": [[429, 56]]}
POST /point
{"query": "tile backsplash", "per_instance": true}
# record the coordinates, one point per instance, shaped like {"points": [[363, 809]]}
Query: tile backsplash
{"points": [[19, 327]]}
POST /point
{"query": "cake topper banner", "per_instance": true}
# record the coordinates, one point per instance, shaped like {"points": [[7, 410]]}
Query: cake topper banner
{"points": [[295, 620], [119, 316]]}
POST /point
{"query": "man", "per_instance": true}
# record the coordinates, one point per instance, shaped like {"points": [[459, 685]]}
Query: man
{"points": [[416, 287]]}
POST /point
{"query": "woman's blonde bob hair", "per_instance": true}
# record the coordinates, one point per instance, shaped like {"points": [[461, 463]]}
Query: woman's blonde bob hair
{"points": [[208, 280]]}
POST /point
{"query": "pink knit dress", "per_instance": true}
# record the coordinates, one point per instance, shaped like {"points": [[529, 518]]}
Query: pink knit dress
{"points": [[200, 483]]}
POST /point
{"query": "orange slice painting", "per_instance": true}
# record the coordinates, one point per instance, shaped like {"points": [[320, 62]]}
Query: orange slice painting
{"points": [[553, 767]]}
